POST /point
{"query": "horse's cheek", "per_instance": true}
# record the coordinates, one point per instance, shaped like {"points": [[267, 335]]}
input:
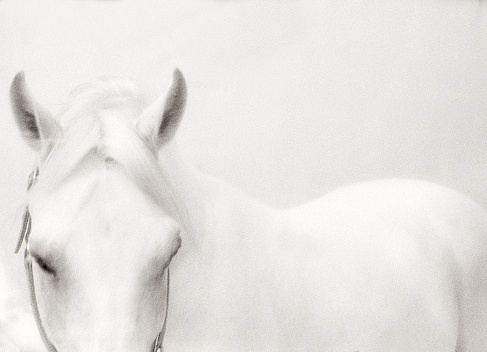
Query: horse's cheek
{"points": [[53, 302]]}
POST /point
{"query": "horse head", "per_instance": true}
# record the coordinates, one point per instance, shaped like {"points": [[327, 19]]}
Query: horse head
{"points": [[103, 220]]}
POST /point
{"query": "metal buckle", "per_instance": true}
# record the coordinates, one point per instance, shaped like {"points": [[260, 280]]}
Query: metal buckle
{"points": [[25, 231], [32, 178], [26, 219]]}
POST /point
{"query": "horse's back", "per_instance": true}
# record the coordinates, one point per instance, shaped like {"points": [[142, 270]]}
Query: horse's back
{"points": [[392, 265], [422, 209]]}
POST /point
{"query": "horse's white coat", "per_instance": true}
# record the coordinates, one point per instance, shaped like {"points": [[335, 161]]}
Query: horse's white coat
{"points": [[18, 332], [387, 265]]}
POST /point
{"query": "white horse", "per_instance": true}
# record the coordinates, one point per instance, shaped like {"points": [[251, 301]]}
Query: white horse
{"points": [[390, 265]]}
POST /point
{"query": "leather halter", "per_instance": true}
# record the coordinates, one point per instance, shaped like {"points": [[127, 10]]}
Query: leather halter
{"points": [[24, 236]]}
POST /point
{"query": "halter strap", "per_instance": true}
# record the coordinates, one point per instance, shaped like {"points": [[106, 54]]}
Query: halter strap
{"points": [[160, 336], [33, 301], [26, 220], [24, 237]]}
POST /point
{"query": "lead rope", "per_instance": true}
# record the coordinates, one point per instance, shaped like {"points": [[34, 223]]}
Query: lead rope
{"points": [[24, 236]]}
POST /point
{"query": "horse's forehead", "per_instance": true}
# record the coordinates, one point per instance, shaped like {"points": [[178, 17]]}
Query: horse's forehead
{"points": [[101, 203]]}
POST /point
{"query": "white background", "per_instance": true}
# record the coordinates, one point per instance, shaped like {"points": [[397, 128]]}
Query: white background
{"points": [[287, 99]]}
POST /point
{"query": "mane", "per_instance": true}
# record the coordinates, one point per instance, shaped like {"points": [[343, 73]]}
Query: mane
{"points": [[98, 123], [103, 93]]}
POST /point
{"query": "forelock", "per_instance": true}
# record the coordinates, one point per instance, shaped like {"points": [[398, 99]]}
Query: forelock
{"points": [[105, 93], [99, 124]]}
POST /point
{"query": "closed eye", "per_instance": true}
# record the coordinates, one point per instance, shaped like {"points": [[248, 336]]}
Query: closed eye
{"points": [[45, 266]]}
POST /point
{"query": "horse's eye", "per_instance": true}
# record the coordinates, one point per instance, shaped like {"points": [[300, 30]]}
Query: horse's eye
{"points": [[44, 266]]}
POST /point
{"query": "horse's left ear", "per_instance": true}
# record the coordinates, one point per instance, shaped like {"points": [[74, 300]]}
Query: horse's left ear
{"points": [[38, 126], [159, 122]]}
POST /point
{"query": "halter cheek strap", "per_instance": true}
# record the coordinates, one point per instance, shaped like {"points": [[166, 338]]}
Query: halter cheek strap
{"points": [[160, 336], [24, 236], [33, 301], [26, 220]]}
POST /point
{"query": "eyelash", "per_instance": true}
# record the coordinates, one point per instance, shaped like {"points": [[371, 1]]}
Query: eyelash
{"points": [[45, 267]]}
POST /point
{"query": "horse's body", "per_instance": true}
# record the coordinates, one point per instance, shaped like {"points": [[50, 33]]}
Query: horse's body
{"points": [[390, 265], [381, 266]]}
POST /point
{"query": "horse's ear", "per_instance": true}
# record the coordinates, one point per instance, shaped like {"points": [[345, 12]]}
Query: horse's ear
{"points": [[159, 122], [37, 125]]}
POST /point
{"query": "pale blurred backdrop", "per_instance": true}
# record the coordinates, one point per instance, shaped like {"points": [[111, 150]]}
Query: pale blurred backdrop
{"points": [[287, 99]]}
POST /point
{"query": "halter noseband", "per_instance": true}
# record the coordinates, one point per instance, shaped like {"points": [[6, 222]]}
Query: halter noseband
{"points": [[24, 236]]}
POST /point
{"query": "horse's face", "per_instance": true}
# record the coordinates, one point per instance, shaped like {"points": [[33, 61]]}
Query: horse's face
{"points": [[100, 249], [101, 240]]}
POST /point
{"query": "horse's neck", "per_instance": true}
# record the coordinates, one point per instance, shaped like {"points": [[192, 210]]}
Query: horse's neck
{"points": [[211, 208], [223, 266], [224, 247]]}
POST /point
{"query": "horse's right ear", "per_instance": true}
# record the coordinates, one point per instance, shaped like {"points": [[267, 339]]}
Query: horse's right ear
{"points": [[159, 122], [36, 124]]}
